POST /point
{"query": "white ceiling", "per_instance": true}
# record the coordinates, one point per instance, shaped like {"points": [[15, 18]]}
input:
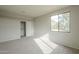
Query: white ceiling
{"points": [[30, 10]]}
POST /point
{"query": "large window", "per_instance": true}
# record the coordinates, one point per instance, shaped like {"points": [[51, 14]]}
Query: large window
{"points": [[60, 22]]}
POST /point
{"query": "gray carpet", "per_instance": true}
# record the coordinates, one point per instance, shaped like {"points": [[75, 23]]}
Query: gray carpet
{"points": [[30, 46]]}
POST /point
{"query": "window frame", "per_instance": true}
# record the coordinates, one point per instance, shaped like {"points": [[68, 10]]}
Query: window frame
{"points": [[58, 23]]}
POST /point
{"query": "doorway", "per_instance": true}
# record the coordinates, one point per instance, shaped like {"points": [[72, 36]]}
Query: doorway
{"points": [[23, 28]]}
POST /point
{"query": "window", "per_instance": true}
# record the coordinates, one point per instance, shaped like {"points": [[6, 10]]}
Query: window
{"points": [[60, 22]]}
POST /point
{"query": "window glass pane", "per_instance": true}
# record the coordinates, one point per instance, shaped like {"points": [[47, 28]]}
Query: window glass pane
{"points": [[54, 23], [61, 22], [64, 22], [67, 21]]}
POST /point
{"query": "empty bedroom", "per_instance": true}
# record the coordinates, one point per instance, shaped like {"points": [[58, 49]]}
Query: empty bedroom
{"points": [[39, 29]]}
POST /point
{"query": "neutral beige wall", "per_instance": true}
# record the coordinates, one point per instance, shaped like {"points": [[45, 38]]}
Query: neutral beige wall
{"points": [[29, 28], [10, 28], [42, 26]]}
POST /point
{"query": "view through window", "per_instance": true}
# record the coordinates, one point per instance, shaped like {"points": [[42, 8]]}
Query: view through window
{"points": [[60, 22]]}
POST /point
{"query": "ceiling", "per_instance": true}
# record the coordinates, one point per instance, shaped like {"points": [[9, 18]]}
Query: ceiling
{"points": [[30, 10]]}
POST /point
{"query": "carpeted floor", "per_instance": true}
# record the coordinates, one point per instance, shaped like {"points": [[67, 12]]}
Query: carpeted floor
{"points": [[34, 46]]}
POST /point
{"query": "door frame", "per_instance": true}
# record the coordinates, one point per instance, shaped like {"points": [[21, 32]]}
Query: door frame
{"points": [[24, 22]]}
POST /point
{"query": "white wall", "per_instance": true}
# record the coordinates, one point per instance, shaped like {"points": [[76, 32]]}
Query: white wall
{"points": [[10, 28], [29, 28], [42, 26]]}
